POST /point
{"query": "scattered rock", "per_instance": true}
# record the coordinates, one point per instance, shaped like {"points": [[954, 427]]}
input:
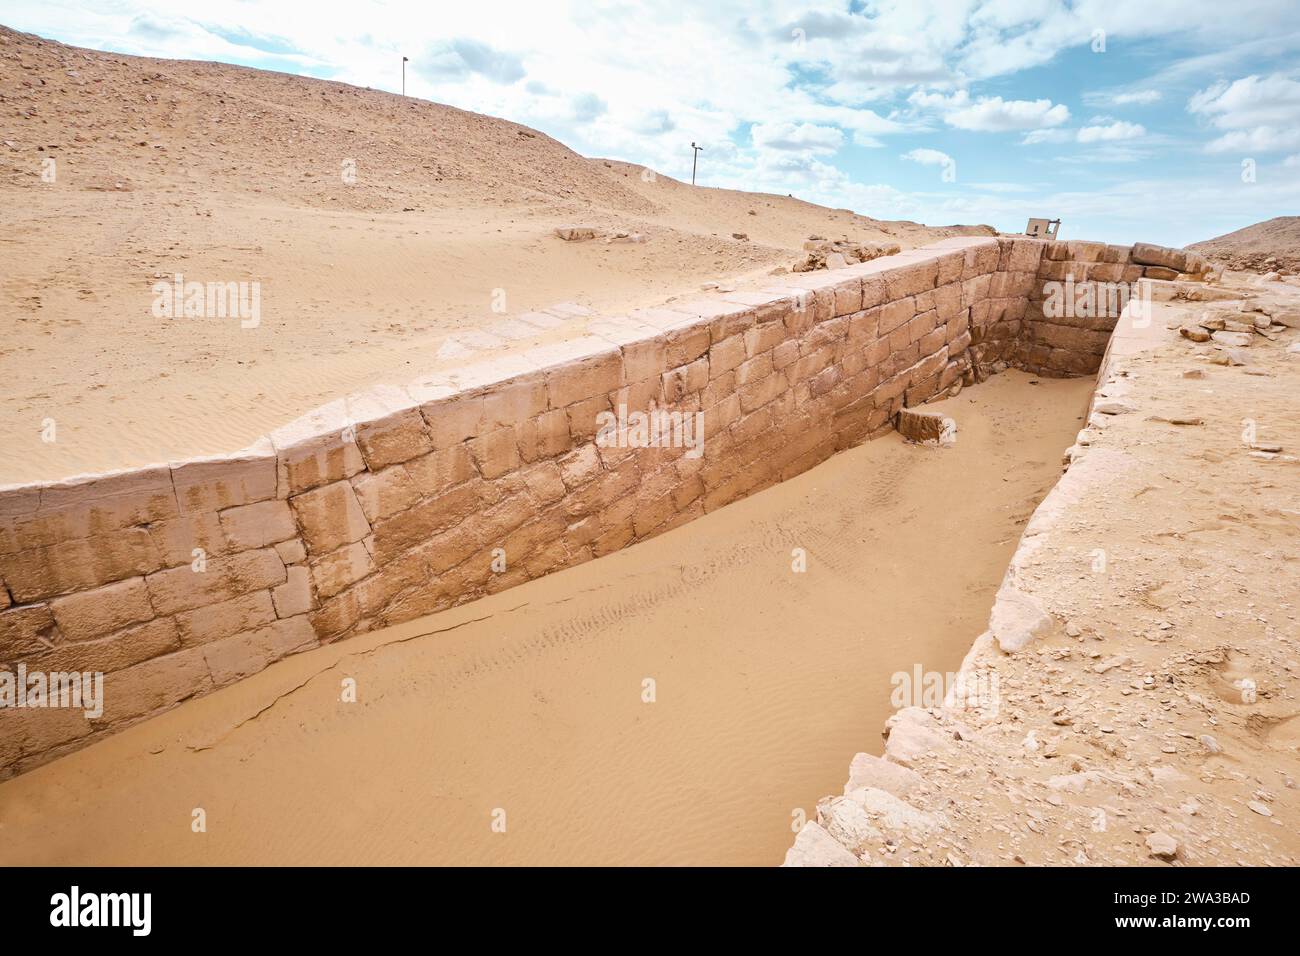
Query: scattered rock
{"points": [[1162, 846], [1235, 339], [576, 233]]}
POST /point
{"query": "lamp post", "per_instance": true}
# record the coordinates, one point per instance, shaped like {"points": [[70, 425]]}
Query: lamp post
{"points": [[404, 59], [694, 156]]}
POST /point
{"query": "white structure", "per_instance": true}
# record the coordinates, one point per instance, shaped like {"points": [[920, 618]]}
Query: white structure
{"points": [[1043, 228]]}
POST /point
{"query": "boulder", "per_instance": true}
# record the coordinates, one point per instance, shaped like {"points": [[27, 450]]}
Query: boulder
{"points": [[1146, 254], [815, 847], [926, 427]]}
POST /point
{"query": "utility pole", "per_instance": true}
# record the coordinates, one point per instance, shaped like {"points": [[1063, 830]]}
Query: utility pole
{"points": [[694, 156], [404, 59]]}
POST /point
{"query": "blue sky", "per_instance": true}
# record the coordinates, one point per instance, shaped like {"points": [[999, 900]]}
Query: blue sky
{"points": [[1168, 120]]}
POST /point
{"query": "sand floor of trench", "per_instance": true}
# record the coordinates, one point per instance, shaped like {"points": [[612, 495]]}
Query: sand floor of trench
{"points": [[527, 709]]}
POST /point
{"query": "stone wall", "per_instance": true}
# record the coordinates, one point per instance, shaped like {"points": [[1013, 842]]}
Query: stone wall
{"points": [[397, 502]]}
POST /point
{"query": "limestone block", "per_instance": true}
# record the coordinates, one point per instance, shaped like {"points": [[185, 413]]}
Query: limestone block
{"points": [[184, 588], [257, 525], [215, 621], [154, 684], [78, 564], [242, 655], [315, 449], [331, 574], [86, 615], [389, 426], [330, 517]]}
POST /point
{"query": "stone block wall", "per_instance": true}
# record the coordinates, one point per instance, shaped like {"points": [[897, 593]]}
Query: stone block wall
{"points": [[397, 502]]}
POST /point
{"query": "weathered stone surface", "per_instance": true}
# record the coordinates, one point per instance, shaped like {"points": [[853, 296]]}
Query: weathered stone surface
{"points": [[294, 596], [223, 481], [390, 428], [317, 448], [867, 770], [26, 630], [257, 525], [215, 621], [245, 654], [150, 686], [1144, 253], [921, 426], [183, 589], [337, 570], [815, 847], [78, 564], [86, 615], [330, 517]]}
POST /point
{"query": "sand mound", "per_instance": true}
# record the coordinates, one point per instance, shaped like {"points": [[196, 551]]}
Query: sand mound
{"points": [[375, 225], [1269, 246]]}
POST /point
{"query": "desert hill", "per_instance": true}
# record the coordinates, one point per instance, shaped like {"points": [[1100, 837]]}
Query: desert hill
{"points": [[1264, 247], [224, 173]]}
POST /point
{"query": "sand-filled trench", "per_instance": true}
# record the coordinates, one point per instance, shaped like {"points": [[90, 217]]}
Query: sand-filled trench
{"points": [[531, 702]]}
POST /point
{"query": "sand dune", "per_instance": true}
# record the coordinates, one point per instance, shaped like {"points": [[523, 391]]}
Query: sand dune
{"points": [[226, 174]]}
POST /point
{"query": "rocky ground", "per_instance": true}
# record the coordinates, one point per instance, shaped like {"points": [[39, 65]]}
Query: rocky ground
{"points": [[1269, 246], [1136, 699]]}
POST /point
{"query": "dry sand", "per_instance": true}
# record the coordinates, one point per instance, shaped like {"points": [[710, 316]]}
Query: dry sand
{"points": [[766, 683], [222, 173]]}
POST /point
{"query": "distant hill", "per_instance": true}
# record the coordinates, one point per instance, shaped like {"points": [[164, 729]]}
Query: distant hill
{"points": [[1266, 246]]}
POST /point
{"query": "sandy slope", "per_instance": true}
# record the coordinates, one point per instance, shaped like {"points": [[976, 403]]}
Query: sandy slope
{"points": [[1264, 247], [228, 174], [766, 682]]}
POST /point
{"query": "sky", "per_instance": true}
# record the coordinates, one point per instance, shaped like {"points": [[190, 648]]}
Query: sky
{"points": [[1167, 121]]}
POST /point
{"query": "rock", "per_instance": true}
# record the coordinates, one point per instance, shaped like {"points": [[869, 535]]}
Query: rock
{"points": [[1237, 325], [868, 770], [815, 847], [1146, 254], [1162, 846], [1231, 357], [1262, 321], [743, 236], [1213, 319], [1194, 373], [1260, 808], [895, 814], [912, 733], [1160, 272], [1210, 744], [1195, 333], [926, 427], [1239, 340], [576, 233], [847, 822], [1114, 406], [836, 260], [1016, 619], [1272, 277], [1294, 348]]}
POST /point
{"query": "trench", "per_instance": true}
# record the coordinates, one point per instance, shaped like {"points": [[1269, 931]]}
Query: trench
{"points": [[683, 701]]}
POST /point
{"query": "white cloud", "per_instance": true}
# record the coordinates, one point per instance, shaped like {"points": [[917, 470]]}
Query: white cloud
{"points": [[992, 114], [928, 157], [1109, 133], [801, 136], [1260, 113], [1137, 98], [1292, 161]]}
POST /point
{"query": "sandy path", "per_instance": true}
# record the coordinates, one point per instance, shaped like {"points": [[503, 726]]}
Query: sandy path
{"points": [[766, 683]]}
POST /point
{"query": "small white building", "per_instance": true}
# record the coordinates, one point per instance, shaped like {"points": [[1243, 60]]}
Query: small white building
{"points": [[1043, 228]]}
